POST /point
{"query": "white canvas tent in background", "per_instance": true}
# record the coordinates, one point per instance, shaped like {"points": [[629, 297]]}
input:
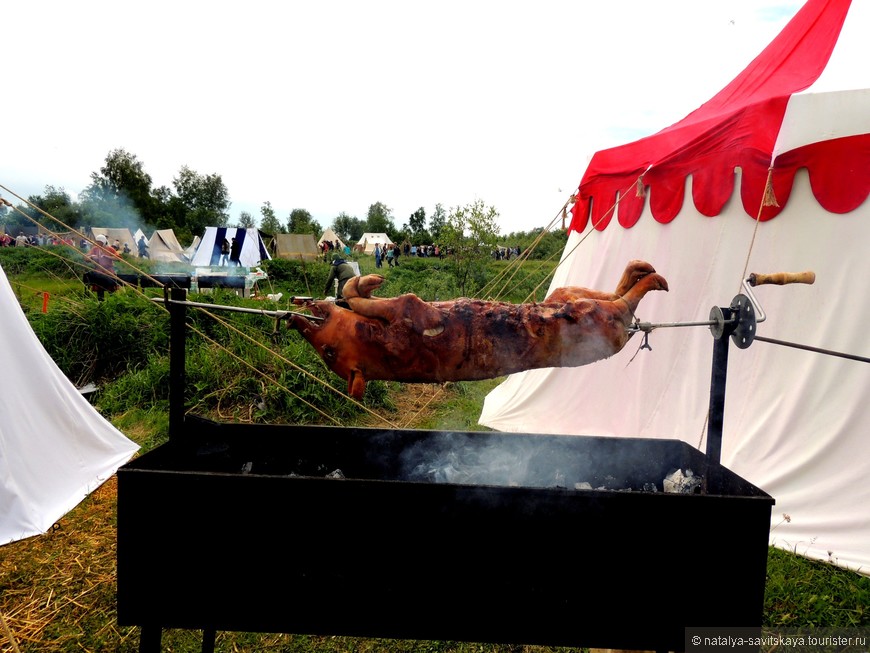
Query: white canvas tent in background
{"points": [[331, 236], [368, 241], [190, 250], [164, 247], [795, 421], [55, 448], [121, 234], [253, 249]]}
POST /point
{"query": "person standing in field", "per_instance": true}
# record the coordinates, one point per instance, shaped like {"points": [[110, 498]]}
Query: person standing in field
{"points": [[102, 279], [235, 253]]}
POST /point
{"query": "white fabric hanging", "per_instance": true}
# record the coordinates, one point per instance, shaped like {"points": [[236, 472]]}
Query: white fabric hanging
{"points": [[55, 448]]}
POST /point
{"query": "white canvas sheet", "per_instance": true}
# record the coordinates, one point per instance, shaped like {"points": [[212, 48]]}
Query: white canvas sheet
{"points": [[55, 448]]}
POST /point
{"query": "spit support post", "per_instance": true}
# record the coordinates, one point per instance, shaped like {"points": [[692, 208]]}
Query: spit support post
{"points": [[738, 321]]}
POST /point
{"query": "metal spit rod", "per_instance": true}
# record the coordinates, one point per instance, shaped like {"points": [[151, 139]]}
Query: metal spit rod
{"points": [[238, 309], [647, 327], [739, 315], [754, 279]]}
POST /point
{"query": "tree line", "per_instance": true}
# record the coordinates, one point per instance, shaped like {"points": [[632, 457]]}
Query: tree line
{"points": [[122, 194]]}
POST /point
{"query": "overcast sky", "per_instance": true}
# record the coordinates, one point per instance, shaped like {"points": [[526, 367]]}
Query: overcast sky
{"points": [[331, 106]]}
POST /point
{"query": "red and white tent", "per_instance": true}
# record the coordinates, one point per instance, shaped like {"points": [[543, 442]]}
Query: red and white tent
{"points": [[794, 126]]}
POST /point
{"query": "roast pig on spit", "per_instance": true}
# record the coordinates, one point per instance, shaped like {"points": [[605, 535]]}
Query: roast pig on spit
{"points": [[413, 341]]}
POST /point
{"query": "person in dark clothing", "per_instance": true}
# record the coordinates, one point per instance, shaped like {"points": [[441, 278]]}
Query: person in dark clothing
{"points": [[235, 253], [340, 271], [143, 247]]}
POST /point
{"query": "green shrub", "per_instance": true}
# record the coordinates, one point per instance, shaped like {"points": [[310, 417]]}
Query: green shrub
{"points": [[52, 260], [91, 340], [298, 277], [429, 278]]}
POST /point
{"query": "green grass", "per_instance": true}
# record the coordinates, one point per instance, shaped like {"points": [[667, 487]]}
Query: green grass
{"points": [[459, 409], [801, 592]]}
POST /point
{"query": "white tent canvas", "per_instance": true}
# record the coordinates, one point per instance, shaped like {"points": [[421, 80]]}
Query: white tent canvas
{"points": [[795, 420], [297, 247], [55, 448], [190, 250], [252, 249], [368, 241], [120, 234], [164, 246], [332, 237]]}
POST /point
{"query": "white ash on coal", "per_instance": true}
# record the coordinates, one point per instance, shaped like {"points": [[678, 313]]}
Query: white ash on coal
{"points": [[681, 482]]}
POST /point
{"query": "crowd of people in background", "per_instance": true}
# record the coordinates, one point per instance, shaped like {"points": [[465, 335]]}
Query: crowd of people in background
{"points": [[392, 253], [389, 253], [43, 239], [328, 247], [506, 253], [32, 240], [427, 251]]}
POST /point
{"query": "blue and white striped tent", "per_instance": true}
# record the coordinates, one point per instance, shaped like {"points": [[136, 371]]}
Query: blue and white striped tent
{"points": [[252, 249]]}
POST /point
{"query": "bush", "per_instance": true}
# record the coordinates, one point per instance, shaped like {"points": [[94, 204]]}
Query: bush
{"points": [[431, 279], [52, 260], [298, 277], [92, 340], [549, 245]]}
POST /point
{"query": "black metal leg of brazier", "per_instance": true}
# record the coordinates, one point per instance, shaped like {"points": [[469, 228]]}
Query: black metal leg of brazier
{"points": [[177, 377], [149, 639], [208, 639]]}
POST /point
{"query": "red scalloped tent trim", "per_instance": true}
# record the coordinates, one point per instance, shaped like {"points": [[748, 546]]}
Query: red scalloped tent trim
{"points": [[839, 173]]}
